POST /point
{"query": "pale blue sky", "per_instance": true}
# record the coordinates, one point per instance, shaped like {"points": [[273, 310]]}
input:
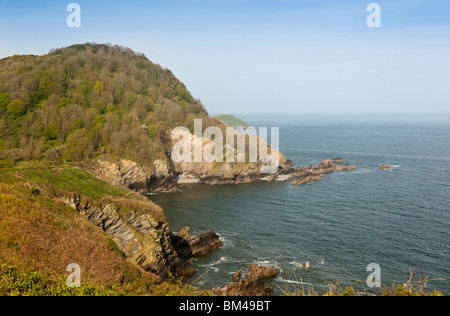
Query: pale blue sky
{"points": [[264, 56]]}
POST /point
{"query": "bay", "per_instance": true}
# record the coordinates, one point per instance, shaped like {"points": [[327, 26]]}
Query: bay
{"points": [[398, 218]]}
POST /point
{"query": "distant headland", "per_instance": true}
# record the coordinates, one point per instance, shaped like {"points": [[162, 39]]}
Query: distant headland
{"points": [[232, 120]]}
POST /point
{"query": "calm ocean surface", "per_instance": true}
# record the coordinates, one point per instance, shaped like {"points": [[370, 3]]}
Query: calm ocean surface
{"points": [[399, 219]]}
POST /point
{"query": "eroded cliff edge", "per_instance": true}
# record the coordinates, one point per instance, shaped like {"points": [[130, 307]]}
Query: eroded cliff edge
{"points": [[145, 239]]}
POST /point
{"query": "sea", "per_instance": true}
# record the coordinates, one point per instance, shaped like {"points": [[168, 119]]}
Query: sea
{"points": [[327, 233]]}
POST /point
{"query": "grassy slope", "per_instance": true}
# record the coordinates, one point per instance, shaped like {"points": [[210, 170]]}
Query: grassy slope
{"points": [[40, 236]]}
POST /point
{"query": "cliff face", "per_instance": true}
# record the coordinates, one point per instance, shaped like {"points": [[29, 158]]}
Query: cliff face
{"points": [[136, 177], [168, 175], [146, 241], [140, 238]]}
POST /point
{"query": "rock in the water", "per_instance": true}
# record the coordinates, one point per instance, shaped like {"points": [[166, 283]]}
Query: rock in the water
{"points": [[256, 271], [254, 285], [189, 246], [384, 167], [310, 173], [307, 178], [245, 287]]}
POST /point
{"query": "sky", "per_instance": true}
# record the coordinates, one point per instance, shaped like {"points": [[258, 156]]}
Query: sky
{"points": [[264, 56]]}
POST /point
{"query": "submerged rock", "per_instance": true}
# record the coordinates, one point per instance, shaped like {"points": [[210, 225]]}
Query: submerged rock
{"points": [[307, 178]]}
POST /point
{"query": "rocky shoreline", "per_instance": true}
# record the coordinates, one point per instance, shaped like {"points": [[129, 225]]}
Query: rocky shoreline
{"points": [[167, 175], [170, 254], [165, 178], [145, 240], [253, 285]]}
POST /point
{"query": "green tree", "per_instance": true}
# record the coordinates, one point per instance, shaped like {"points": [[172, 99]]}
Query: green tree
{"points": [[77, 124], [85, 88], [4, 101], [99, 86], [51, 132], [63, 101], [46, 87], [16, 108]]}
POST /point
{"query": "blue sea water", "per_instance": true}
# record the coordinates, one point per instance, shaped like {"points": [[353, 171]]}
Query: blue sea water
{"points": [[397, 218]]}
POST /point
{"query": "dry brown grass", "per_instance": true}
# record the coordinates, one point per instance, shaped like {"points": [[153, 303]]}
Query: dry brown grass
{"points": [[412, 287], [37, 233], [40, 235]]}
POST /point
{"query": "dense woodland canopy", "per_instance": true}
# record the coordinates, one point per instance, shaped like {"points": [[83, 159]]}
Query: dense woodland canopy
{"points": [[87, 100]]}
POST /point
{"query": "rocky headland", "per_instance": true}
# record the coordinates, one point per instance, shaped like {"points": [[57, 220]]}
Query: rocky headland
{"points": [[169, 176]]}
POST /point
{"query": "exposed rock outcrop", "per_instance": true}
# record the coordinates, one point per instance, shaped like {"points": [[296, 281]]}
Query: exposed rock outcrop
{"points": [[245, 287], [237, 276], [307, 178], [257, 271], [189, 246], [136, 177], [253, 285], [145, 240], [122, 172], [331, 165], [230, 171], [163, 178], [309, 174], [384, 167]]}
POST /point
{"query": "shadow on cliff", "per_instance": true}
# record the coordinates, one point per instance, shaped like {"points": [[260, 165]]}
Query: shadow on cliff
{"points": [[190, 246]]}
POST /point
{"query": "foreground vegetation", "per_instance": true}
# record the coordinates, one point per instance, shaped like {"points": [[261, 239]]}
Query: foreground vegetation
{"points": [[40, 236], [412, 287], [21, 281]]}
